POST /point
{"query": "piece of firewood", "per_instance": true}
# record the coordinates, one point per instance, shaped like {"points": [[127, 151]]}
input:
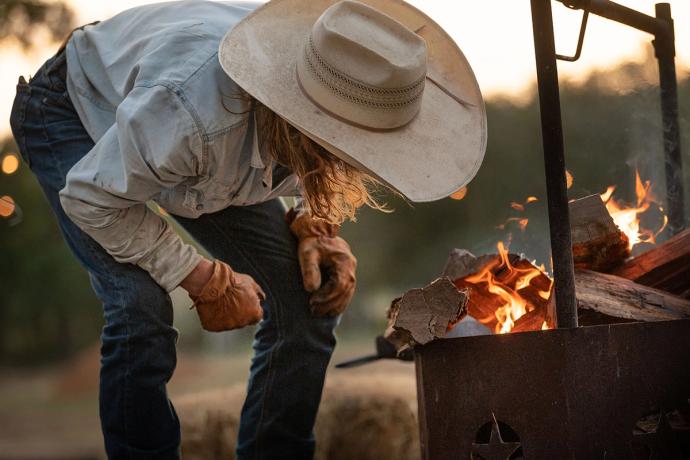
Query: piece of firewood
{"points": [[462, 262], [423, 315], [531, 321], [618, 297], [535, 319], [483, 304], [666, 266], [598, 244]]}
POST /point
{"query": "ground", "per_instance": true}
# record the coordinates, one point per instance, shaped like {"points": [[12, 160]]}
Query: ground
{"points": [[52, 413]]}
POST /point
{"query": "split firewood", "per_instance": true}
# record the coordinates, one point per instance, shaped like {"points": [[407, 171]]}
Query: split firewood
{"points": [[423, 315], [598, 244], [482, 303], [537, 318], [619, 298], [462, 263], [666, 266]]}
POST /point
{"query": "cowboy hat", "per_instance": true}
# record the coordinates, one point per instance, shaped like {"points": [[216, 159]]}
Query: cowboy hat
{"points": [[377, 83]]}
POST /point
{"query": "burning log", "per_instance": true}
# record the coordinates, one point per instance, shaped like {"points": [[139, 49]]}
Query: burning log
{"points": [[665, 267], [509, 294], [619, 298], [598, 244], [462, 263], [502, 287], [422, 315], [539, 318]]}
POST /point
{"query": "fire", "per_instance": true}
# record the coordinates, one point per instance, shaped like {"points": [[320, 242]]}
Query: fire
{"points": [[627, 218], [522, 223], [507, 288]]}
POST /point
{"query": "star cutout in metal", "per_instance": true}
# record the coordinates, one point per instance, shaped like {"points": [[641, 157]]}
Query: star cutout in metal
{"points": [[662, 442], [496, 449]]}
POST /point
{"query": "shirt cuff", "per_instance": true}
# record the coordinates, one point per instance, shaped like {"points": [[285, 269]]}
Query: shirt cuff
{"points": [[171, 262]]}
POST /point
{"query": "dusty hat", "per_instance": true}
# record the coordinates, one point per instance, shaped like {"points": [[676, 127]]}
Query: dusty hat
{"points": [[377, 83]]}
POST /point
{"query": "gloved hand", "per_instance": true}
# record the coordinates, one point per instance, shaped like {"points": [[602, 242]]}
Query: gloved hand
{"points": [[229, 300], [321, 249]]}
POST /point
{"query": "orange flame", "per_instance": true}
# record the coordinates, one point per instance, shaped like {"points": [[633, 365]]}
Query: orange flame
{"points": [[522, 223], [517, 206], [627, 218], [515, 279]]}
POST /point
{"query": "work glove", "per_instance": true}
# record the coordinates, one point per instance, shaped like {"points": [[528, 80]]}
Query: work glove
{"points": [[229, 300], [327, 264]]}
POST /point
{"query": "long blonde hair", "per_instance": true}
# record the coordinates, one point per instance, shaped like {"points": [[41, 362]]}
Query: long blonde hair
{"points": [[333, 189]]}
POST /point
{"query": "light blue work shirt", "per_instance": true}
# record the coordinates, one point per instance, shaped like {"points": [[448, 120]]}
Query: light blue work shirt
{"points": [[169, 126]]}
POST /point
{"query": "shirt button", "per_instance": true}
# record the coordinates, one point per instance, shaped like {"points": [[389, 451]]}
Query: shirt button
{"points": [[199, 207]]}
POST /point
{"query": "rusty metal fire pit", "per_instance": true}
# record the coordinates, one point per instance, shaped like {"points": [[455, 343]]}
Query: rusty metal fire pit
{"points": [[562, 393], [598, 392]]}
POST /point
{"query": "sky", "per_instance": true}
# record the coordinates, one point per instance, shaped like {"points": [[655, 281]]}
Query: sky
{"points": [[495, 35]]}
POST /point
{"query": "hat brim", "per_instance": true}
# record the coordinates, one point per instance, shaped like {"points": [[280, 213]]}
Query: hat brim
{"points": [[434, 155]]}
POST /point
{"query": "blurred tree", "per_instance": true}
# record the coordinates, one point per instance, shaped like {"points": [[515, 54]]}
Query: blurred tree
{"points": [[25, 20], [47, 308]]}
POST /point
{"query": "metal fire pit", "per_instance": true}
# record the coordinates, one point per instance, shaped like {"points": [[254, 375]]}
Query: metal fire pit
{"points": [[563, 393], [598, 392]]}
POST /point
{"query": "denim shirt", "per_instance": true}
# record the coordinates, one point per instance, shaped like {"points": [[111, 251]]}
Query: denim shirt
{"points": [[169, 126]]}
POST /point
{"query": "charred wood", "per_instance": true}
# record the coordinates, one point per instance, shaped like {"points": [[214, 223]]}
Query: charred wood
{"points": [[617, 297], [666, 266], [598, 244], [536, 319], [482, 304]]}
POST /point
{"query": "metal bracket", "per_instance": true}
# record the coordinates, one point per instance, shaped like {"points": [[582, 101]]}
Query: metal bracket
{"points": [[580, 40]]}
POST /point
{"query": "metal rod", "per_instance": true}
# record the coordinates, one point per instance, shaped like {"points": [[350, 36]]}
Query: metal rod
{"points": [[619, 13], [554, 162], [665, 53]]}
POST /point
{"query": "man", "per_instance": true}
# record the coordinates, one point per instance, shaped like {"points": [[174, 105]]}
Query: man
{"points": [[214, 113]]}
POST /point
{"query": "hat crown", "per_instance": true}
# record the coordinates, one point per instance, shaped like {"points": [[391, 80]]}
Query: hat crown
{"points": [[369, 46], [364, 66]]}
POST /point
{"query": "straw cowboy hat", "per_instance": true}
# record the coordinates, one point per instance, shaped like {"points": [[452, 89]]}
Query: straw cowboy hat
{"points": [[377, 83]]}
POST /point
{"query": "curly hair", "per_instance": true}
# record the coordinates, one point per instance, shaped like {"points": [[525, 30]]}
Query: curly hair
{"points": [[333, 189]]}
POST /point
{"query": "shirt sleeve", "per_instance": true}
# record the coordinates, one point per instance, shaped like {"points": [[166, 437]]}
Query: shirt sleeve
{"points": [[150, 148]]}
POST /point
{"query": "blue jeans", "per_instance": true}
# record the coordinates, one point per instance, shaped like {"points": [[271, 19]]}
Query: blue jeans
{"points": [[292, 348]]}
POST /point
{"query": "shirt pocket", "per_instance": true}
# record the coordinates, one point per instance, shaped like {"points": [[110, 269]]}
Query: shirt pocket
{"points": [[207, 196]]}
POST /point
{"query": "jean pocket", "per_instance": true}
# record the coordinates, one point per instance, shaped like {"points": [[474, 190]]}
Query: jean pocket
{"points": [[18, 115]]}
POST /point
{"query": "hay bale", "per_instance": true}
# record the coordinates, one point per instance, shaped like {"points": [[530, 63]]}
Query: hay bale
{"points": [[368, 417], [209, 422], [362, 416]]}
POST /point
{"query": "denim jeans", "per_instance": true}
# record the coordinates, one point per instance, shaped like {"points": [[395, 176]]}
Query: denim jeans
{"points": [[291, 347]]}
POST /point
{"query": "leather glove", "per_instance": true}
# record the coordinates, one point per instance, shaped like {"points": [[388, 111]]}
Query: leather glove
{"points": [[322, 252], [229, 300]]}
